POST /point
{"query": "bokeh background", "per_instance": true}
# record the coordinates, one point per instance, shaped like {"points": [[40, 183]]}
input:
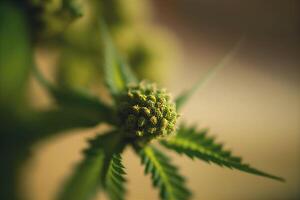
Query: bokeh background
{"points": [[253, 104]]}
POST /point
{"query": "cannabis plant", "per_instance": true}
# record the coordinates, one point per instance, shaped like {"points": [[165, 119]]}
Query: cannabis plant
{"points": [[140, 113], [67, 29]]}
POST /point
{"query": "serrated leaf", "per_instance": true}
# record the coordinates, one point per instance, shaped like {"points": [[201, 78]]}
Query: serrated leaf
{"points": [[83, 183], [196, 144], [164, 175], [114, 180], [117, 72], [186, 95]]}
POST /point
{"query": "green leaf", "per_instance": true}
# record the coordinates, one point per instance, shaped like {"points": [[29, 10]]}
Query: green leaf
{"points": [[16, 55], [186, 95], [164, 175], [85, 180], [117, 72], [196, 144], [126, 72], [114, 181], [45, 124], [79, 101], [87, 176]]}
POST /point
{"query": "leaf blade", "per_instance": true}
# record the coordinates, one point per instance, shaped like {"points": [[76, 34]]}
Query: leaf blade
{"points": [[186, 95], [114, 181], [16, 56], [71, 99], [117, 72], [48, 123], [87, 176], [82, 185], [164, 175], [194, 144]]}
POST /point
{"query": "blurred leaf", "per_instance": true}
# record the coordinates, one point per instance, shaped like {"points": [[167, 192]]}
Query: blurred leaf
{"points": [[186, 95], [164, 175], [76, 100], [85, 180], [117, 73], [15, 54], [45, 124], [73, 8], [77, 70], [140, 56], [111, 11], [196, 144], [15, 62]]}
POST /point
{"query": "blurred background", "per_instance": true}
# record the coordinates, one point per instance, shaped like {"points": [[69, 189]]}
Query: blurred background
{"points": [[252, 104]]}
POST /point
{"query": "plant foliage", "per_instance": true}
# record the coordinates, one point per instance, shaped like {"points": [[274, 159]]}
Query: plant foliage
{"points": [[117, 72], [186, 95], [102, 165], [115, 181], [196, 144], [164, 175], [88, 175], [143, 115]]}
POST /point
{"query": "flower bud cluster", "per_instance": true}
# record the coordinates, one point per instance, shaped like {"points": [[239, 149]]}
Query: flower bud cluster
{"points": [[146, 112]]}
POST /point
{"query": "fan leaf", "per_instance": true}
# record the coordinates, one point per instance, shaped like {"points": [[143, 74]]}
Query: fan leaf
{"points": [[117, 72], [48, 123], [196, 144], [114, 181], [87, 176], [77, 101], [186, 95], [164, 175]]}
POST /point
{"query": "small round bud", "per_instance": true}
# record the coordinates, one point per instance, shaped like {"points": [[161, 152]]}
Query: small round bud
{"points": [[146, 112], [152, 98], [164, 123], [141, 122], [139, 133], [153, 120], [136, 108]]}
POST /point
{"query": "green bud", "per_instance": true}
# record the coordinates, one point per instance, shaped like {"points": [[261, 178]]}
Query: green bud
{"points": [[152, 98], [139, 133], [141, 121], [164, 123], [147, 110], [153, 120], [151, 130], [136, 108], [130, 95]]}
